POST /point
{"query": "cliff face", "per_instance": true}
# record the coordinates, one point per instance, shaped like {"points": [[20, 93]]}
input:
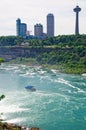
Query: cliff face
{"points": [[14, 52]]}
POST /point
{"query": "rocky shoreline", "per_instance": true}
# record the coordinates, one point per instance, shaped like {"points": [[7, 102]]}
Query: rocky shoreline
{"points": [[11, 126]]}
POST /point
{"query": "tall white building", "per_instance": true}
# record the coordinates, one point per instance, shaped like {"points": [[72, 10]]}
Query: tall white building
{"points": [[50, 25]]}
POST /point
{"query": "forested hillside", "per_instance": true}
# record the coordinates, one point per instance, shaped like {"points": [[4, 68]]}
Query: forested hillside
{"points": [[66, 52]]}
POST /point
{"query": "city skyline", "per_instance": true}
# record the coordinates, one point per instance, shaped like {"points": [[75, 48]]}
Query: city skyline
{"points": [[22, 30], [35, 11]]}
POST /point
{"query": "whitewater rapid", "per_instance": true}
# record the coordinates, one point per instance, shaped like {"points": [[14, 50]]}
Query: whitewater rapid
{"points": [[59, 102]]}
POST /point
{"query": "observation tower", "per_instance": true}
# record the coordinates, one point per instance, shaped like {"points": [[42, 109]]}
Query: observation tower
{"points": [[77, 9]]}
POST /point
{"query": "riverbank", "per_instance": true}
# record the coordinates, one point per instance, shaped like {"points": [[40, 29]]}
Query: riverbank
{"points": [[64, 68]]}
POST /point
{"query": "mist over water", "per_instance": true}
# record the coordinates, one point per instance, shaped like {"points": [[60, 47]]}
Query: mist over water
{"points": [[59, 102]]}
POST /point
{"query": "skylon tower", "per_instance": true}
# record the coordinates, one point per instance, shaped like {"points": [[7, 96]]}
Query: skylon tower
{"points": [[77, 9]]}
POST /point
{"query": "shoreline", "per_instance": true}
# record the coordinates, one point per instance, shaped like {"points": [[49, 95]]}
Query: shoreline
{"points": [[12, 126], [61, 68]]}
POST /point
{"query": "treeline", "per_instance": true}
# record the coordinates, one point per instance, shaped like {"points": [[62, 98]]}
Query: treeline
{"points": [[10, 40], [60, 41], [67, 51]]}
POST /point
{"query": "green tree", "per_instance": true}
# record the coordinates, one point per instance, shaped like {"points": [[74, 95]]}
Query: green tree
{"points": [[2, 97], [1, 60]]}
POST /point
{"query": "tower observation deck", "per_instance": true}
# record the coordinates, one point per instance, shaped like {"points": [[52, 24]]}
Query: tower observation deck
{"points": [[77, 9]]}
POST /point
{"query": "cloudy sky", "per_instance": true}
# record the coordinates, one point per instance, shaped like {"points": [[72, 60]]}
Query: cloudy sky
{"points": [[35, 11]]}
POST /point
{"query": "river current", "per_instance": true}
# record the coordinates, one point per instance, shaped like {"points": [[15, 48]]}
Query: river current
{"points": [[59, 102]]}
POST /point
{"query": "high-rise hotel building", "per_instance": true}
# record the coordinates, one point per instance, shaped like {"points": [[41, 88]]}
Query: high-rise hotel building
{"points": [[21, 28], [38, 30], [50, 25]]}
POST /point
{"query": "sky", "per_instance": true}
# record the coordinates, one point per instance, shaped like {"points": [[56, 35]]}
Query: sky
{"points": [[32, 12]]}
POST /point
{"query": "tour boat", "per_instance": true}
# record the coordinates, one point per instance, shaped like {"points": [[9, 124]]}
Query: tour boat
{"points": [[30, 88]]}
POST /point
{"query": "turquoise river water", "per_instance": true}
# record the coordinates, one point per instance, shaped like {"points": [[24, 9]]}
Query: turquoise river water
{"points": [[59, 102]]}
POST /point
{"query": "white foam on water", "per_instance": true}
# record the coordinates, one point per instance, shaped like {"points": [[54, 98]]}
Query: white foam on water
{"points": [[41, 72], [46, 78], [60, 80], [11, 68], [11, 109], [84, 74], [54, 71], [15, 120], [10, 105], [18, 71], [52, 95]]}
